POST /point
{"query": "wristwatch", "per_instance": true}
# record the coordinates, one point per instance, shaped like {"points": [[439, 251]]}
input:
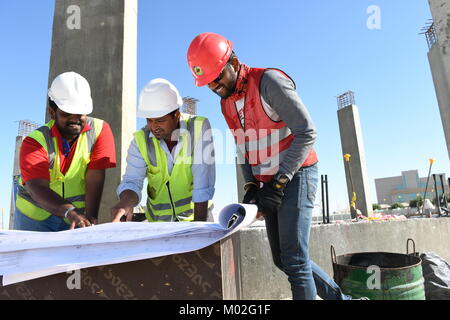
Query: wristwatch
{"points": [[280, 181]]}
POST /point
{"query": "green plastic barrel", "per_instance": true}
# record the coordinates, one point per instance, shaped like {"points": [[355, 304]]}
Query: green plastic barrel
{"points": [[379, 275]]}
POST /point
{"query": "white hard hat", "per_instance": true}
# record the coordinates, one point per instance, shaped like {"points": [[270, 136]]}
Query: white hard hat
{"points": [[158, 98], [71, 93]]}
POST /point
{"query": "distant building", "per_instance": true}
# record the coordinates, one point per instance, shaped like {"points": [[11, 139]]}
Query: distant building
{"points": [[190, 105], [25, 128], [406, 187]]}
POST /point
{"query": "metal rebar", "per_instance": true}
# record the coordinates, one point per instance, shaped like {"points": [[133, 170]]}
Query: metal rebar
{"points": [[426, 187], [327, 202], [436, 191], [444, 194], [323, 198]]}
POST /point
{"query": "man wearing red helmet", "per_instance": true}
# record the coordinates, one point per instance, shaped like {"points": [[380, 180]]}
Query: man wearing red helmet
{"points": [[274, 135]]}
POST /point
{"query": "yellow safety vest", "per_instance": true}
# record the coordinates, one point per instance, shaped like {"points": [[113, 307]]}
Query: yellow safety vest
{"points": [[72, 185], [170, 196]]}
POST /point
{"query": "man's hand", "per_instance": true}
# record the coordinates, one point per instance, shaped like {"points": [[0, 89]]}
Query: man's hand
{"points": [[260, 215], [118, 212], [77, 220], [251, 191], [128, 200], [92, 220], [269, 199]]}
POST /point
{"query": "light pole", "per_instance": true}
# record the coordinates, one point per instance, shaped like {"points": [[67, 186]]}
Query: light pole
{"points": [[426, 186]]}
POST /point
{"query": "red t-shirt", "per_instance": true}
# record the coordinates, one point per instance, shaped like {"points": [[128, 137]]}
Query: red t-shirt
{"points": [[34, 158]]}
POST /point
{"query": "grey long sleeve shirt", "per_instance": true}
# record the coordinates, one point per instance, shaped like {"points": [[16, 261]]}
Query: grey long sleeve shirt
{"points": [[281, 102]]}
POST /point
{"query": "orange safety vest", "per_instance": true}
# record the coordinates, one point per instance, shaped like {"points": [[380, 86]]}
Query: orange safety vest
{"points": [[262, 140]]}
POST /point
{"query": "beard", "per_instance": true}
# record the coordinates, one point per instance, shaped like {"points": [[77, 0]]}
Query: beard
{"points": [[71, 129], [159, 134], [223, 91]]}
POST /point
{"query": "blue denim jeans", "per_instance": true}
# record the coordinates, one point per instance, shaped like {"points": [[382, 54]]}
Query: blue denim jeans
{"points": [[288, 233], [52, 224]]}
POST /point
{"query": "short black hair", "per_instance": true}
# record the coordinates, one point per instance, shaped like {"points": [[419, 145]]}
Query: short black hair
{"points": [[52, 104], [173, 112]]}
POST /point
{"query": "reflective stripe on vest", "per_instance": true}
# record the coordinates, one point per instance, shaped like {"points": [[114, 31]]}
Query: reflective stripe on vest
{"points": [[70, 186], [262, 140], [170, 196], [49, 143]]}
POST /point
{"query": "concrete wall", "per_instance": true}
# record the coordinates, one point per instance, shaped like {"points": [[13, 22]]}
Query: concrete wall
{"points": [[102, 46], [352, 143], [261, 280]]}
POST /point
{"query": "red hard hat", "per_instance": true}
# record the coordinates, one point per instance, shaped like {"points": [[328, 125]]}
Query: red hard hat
{"points": [[207, 55]]}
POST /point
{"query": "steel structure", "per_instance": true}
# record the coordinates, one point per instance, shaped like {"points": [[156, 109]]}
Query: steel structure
{"points": [[430, 33], [26, 127], [346, 99], [190, 105]]}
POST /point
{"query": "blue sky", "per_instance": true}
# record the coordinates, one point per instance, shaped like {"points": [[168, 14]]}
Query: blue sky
{"points": [[324, 45]]}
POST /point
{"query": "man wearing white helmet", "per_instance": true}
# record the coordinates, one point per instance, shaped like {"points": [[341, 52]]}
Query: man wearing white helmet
{"points": [[175, 152], [63, 163]]}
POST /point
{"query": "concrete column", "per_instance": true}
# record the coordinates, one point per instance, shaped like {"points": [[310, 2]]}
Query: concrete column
{"points": [[439, 59], [440, 10], [16, 172], [98, 39], [240, 182], [352, 143]]}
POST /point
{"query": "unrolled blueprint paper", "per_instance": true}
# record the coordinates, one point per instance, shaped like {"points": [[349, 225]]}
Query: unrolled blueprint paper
{"points": [[28, 255]]}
